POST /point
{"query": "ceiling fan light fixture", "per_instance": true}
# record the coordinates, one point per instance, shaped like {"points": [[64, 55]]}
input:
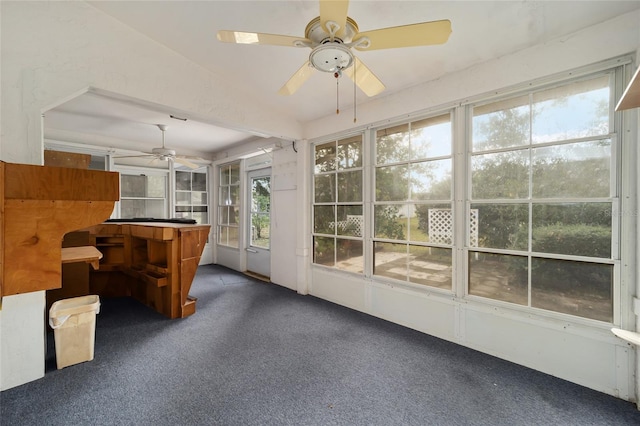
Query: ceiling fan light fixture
{"points": [[331, 57]]}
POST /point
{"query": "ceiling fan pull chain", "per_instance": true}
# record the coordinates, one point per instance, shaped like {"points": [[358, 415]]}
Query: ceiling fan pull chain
{"points": [[355, 106], [337, 75]]}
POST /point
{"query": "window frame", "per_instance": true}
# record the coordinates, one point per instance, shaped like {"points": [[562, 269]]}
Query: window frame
{"points": [[204, 170], [336, 204], [623, 218], [138, 171], [220, 206], [614, 260]]}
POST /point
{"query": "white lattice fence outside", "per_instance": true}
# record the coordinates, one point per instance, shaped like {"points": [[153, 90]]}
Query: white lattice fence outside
{"points": [[441, 226], [354, 223]]}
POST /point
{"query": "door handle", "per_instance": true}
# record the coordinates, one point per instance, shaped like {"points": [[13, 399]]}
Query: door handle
{"points": [[251, 250]]}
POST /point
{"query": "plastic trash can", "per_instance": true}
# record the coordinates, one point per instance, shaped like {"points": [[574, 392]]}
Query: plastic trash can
{"points": [[74, 326]]}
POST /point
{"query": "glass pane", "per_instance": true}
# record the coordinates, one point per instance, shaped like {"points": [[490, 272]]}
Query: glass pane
{"points": [[349, 255], [571, 111], [431, 137], [199, 182], [572, 170], [576, 288], [130, 209], [325, 188], [143, 186], [224, 195], [392, 183], [390, 221], [324, 219], [260, 230], [350, 186], [261, 194], [350, 221], [500, 175], [431, 223], [430, 266], [228, 195], [582, 229], [501, 226], [229, 215], [183, 198], [234, 179], [201, 218], [182, 209], [183, 181], [223, 235], [325, 157], [501, 124], [499, 277], [392, 144], [225, 175], [431, 180], [199, 198], [390, 260], [234, 194], [324, 250], [350, 152]]}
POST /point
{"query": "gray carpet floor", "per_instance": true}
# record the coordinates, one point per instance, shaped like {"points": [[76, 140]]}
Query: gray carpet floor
{"points": [[259, 354]]}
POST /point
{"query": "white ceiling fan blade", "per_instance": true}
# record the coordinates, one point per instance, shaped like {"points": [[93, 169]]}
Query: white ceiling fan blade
{"points": [[334, 11], [185, 162], [241, 37], [423, 34], [134, 156], [297, 80], [364, 78]]}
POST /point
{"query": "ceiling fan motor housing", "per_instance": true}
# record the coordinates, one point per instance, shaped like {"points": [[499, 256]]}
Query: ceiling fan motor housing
{"points": [[164, 153], [330, 53], [331, 57]]}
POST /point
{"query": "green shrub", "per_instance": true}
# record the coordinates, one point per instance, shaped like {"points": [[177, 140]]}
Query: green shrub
{"points": [[580, 240]]}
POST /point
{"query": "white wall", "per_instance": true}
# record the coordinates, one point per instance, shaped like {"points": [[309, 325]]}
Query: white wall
{"points": [[284, 216]]}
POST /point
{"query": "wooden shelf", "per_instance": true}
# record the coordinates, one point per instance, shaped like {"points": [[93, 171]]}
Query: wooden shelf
{"points": [[87, 254], [631, 96], [629, 336]]}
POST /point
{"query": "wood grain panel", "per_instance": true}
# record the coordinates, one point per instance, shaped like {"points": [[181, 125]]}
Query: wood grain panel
{"points": [[30, 182], [33, 233]]}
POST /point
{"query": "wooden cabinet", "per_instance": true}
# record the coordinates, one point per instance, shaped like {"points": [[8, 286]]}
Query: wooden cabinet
{"points": [[154, 263]]}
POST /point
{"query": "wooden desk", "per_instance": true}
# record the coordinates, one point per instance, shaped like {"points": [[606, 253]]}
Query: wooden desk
{"points": [[154, 263]]}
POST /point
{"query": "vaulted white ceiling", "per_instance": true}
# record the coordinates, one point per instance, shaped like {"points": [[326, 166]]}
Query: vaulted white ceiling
{"points": [[482, 31]]}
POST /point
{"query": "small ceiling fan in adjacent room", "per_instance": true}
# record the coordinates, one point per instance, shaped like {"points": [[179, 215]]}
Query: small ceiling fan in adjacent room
{"points": [[331, 38], [165, 154]]}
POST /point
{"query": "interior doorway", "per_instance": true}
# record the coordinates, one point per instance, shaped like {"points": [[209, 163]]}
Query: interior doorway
{"points": [[258, 247]]}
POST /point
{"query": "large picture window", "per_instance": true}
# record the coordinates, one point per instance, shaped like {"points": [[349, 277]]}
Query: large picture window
{"points": [[541, 167], [338, 217], [515, 203], [412, 215]]}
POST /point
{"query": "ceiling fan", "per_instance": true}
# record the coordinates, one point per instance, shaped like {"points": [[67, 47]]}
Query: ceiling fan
{"points": [[165, 154], [331, 38]]}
